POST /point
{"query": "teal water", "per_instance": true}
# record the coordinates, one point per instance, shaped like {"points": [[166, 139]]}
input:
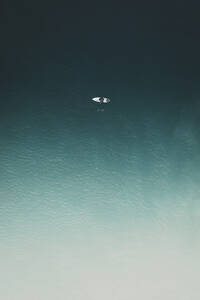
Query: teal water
{"points": [[99, 205]]}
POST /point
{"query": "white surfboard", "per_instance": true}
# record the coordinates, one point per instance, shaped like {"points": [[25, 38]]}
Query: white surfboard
{"points": [[98, 99]]}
